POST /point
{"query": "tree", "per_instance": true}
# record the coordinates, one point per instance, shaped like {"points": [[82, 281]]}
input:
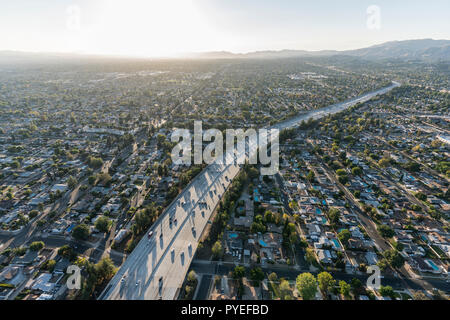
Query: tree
{"points": [[344, 288], [310, 256], [334, 215], [49, 265], [326, 282], [217, 249], [67, 252], [81, 232], [421, 196], [343, 179], [104, 270], [143, 218], [189, 290], [383, 264], [311, 176], [387, 292], [412, 166], [92, 179], [258, 227], [20, 251], [269, 217], [253, 173], [72, 182], [293, 205], [385, 231], [273, 277], [384, 162], [398, 246], [103, 224], [394, 258], [306, 286], [257, 274], [104, 178], [15, 164], [356, 171], [344, 236], [303, 243], [33, 214], [192, 277], [436, 143], [285, 290], [356, 285], [238, 272], [37, 246], [95, 163]]}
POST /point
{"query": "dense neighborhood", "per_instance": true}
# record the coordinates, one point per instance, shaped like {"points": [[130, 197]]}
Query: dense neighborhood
{"points": [[86, 170]]}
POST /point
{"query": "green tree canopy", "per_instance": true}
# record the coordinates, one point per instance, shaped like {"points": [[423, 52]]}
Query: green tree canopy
{"points": [[217, 249], [256, 274], [103, 224], [81, 232], [387, 292], [344, 236], [306, 286], [37, 246], [326, 282], [239, 272], [385, 231], [72, 182], [344, 288]]}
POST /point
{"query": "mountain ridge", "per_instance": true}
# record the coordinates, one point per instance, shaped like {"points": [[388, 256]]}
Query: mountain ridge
{"points": [[422, 49], [419, 49]]}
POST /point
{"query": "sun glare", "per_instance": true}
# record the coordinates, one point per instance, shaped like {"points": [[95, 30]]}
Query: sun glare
{"points": [[147, 27]]}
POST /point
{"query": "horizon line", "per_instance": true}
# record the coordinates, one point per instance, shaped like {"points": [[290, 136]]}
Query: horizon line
{"points": [[192, 54]]}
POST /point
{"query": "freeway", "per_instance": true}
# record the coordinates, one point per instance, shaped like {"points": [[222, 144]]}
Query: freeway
{"points": [[158, 265], [335, 108]]}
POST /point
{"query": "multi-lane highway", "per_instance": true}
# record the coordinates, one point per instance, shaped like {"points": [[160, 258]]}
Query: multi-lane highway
{"points": [[158, 265]]}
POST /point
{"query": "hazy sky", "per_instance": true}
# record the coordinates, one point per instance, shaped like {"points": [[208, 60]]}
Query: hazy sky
{"points": [[166, 27]]}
